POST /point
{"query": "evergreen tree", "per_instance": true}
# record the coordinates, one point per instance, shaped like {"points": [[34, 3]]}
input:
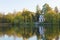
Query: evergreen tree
{"points": [[56, 9], [38, 11]]}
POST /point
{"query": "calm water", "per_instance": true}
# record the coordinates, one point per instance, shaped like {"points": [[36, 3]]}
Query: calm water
{"points": [[37, 32], [6, 37]]}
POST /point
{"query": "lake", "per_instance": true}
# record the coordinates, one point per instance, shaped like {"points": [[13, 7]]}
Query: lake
{"points": [[30, 32]]}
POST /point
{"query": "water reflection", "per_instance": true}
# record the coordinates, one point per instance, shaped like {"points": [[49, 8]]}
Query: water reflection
{"points": [[41, 31], [52, 31], [6, 37], [31, 32]]}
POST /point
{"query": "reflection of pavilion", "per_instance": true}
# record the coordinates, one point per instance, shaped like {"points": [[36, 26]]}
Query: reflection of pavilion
{"points": [[41, 31]]}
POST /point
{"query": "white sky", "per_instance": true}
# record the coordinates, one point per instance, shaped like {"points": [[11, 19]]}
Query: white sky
{"points": [[11, 5]]}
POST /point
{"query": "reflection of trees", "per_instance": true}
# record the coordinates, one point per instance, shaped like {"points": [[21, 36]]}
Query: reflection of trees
{"points": [[51, 31], [29, 30], [24, 30]]}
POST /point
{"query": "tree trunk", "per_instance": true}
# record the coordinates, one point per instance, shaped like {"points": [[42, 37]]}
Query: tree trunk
{"points": [[25, 38], [38, 38], [14, 36], [57, 38], [48, 38]]}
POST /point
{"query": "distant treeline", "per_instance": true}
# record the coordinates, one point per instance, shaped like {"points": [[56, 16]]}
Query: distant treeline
{"points": [[26, 16]]}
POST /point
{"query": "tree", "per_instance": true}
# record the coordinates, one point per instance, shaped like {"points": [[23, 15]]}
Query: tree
{"points": [[56, 10], [18, 19], [10, 17], [38, 11], [49, 16], [46, 8], [27, 15]]}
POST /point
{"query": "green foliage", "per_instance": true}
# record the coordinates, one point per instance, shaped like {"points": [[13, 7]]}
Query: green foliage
{"points": [[46, 8]]}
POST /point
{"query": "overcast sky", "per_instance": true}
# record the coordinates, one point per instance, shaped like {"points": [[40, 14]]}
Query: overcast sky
{"points": [[11, 5]]}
